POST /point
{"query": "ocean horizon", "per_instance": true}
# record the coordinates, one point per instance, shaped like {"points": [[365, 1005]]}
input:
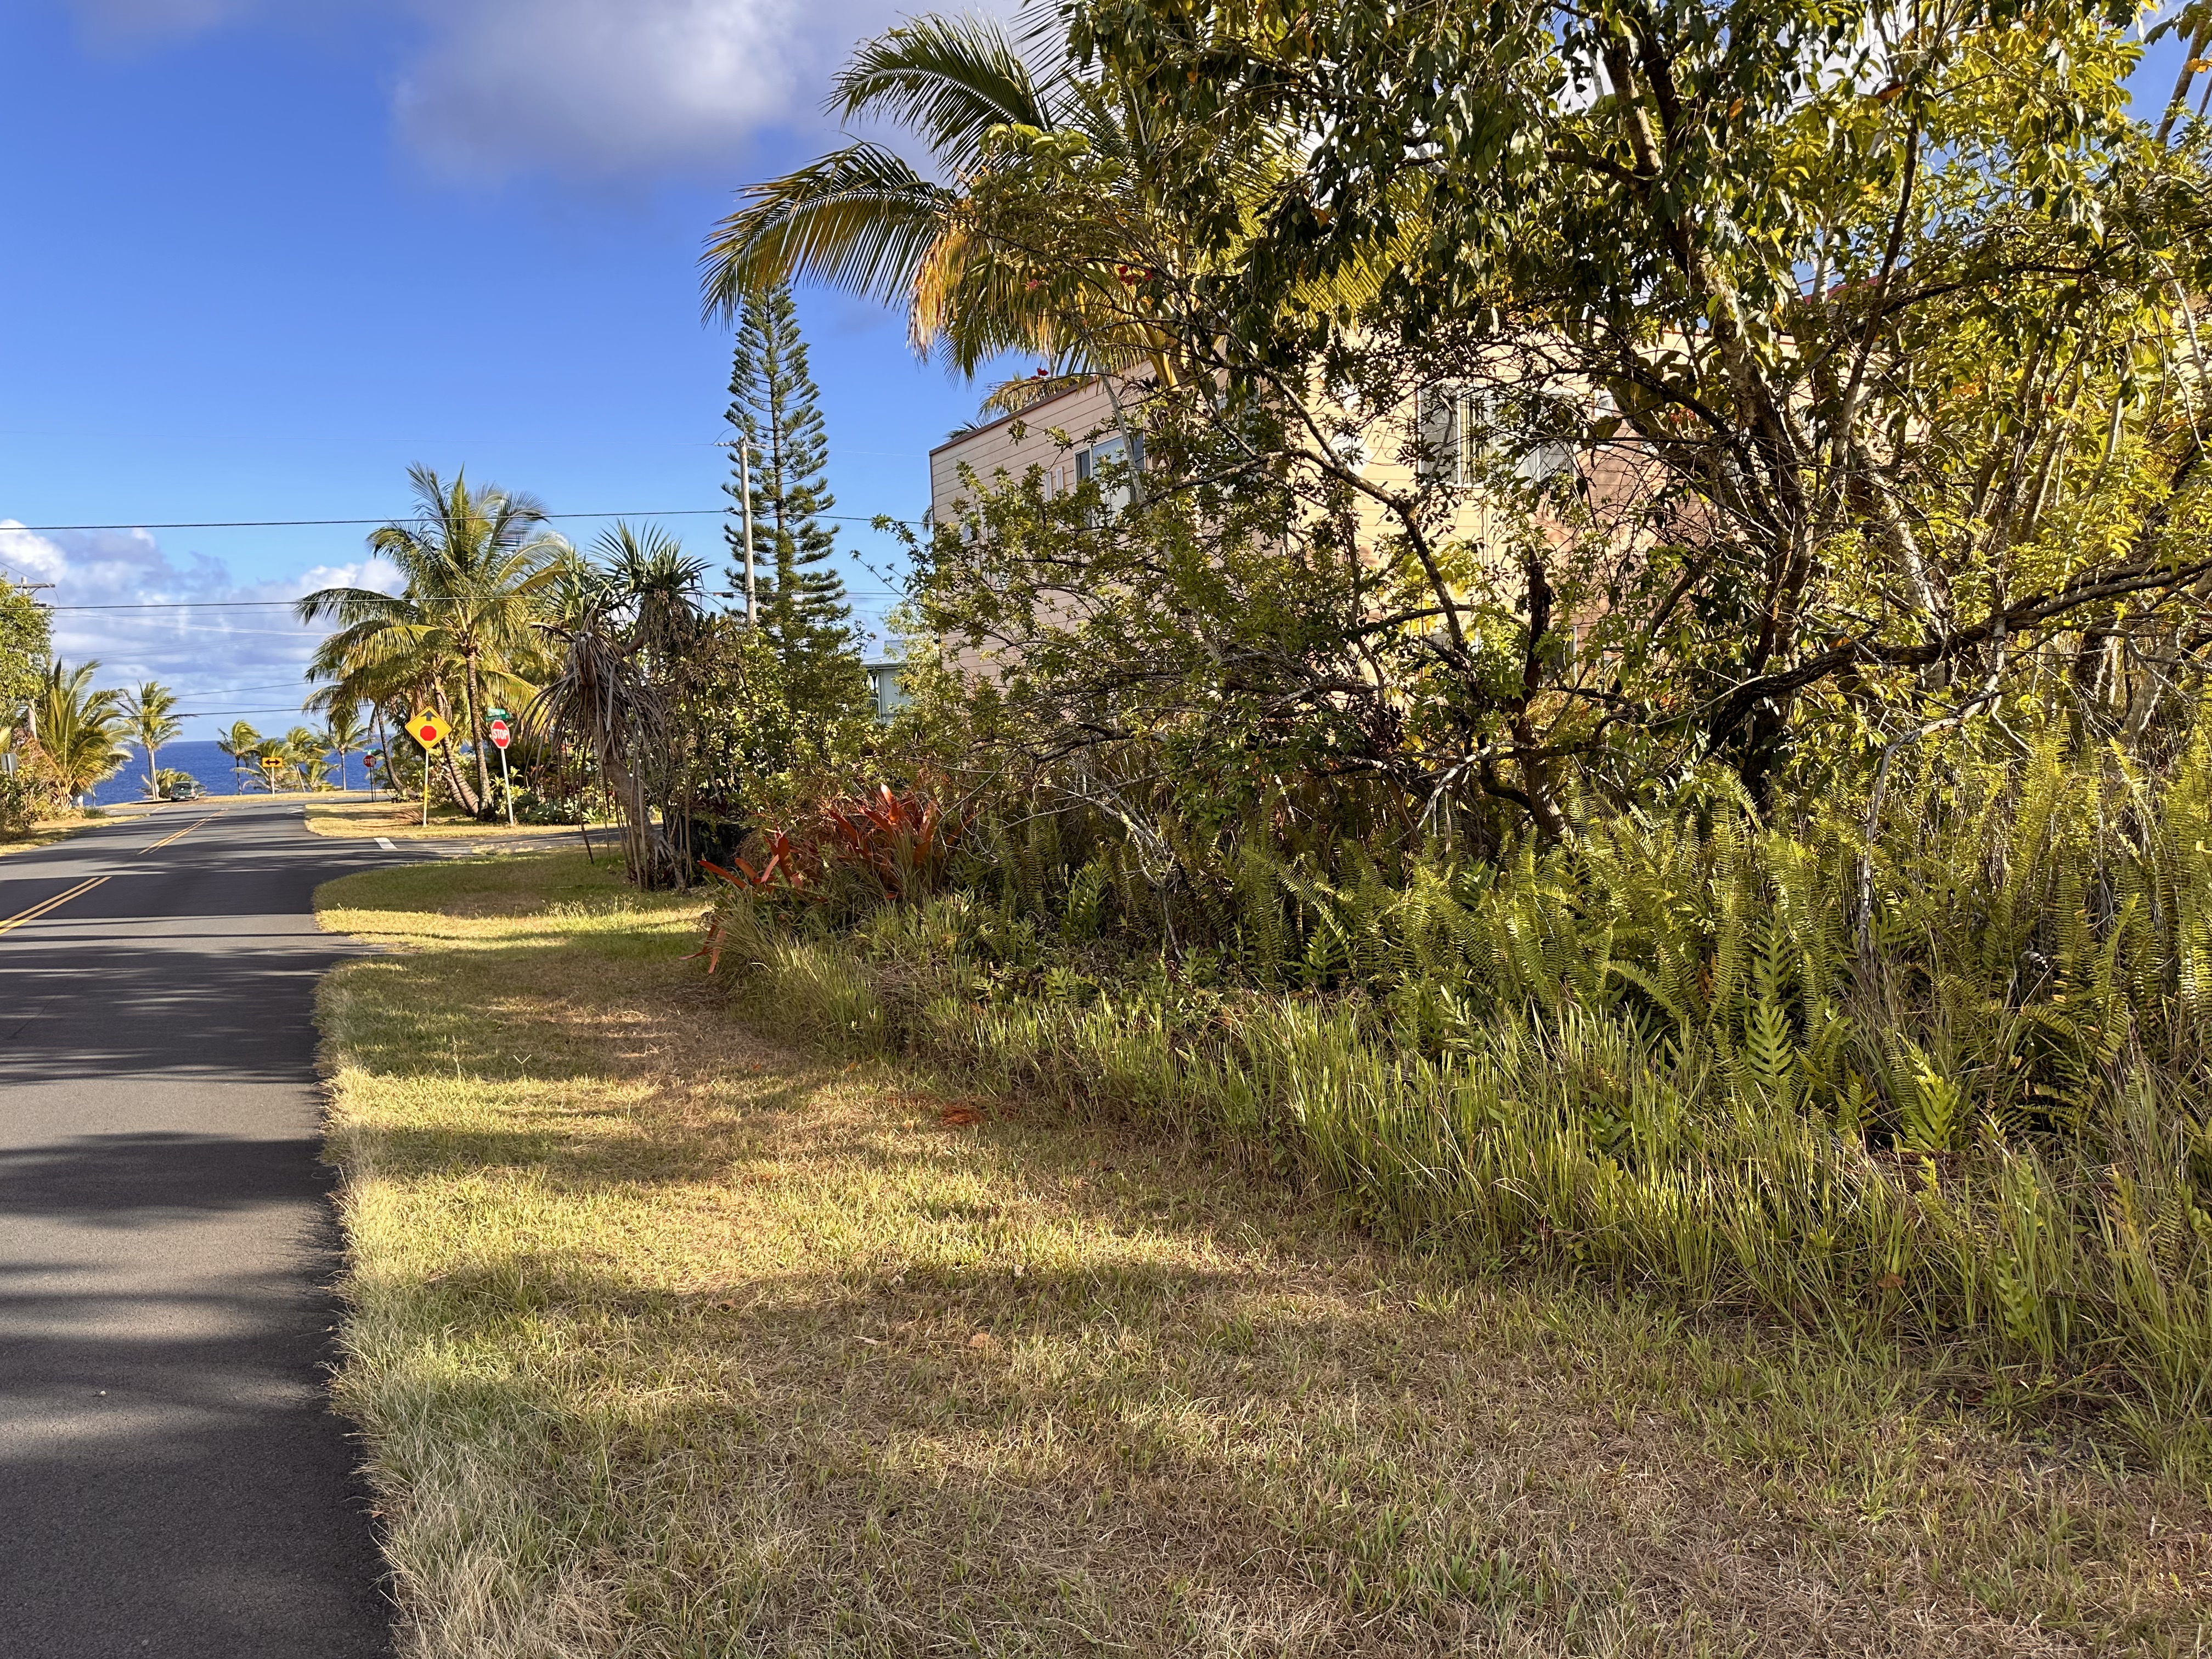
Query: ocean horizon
{"points": [[205, 761]]}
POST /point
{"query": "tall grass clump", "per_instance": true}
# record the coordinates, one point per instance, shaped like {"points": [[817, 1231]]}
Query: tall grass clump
{"points": [[1945, 1082]]}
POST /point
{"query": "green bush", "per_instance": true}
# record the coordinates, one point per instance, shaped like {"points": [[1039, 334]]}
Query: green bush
{"points": [[1956, 1091], [25, 800]]}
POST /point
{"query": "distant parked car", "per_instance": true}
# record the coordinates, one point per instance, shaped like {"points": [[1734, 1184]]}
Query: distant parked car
{"points": [[183, 789]]}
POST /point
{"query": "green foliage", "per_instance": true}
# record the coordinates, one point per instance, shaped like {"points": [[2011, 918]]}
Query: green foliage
{"points": [[25, 800], [1521, 357], [76, 734], [146, 717], [25, 638], [243, 745], [480, 572], [760, 743]]}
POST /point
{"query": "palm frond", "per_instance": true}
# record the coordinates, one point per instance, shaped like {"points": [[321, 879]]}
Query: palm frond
{"points": [[861, 219], [951, 79], [1011, 396]]}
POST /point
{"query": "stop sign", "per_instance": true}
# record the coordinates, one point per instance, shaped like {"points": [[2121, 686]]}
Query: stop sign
{"points": [[499, 735]]}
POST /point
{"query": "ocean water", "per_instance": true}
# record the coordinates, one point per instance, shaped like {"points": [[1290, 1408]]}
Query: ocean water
{"points": [[204, 762]]}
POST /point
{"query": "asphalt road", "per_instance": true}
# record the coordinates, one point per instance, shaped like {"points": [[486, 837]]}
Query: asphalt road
{"points": [[173, 1481]]}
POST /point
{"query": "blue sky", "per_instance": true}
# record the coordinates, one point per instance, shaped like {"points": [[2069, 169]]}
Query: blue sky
{"points": [[261, 255], [259, 265]]}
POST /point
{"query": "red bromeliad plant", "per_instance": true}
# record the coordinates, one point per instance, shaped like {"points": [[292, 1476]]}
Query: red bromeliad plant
{"points": [[899, 842], [784, 873], [883, 848]]}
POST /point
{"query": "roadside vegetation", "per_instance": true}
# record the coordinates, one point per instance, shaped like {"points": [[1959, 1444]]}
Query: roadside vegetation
{"points": [[625, 696], [1540, 978], [669, 1341], [1643, 715]]}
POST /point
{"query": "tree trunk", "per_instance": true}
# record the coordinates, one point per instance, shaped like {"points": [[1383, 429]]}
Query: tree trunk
{"points": [[475, 737], [463, 797]]}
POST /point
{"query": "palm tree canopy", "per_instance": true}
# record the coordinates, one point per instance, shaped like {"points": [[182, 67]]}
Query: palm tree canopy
{"points": [[78, 731], [478, 569], [1042, 229], [863, 220], [148, 711], [344, 729]]}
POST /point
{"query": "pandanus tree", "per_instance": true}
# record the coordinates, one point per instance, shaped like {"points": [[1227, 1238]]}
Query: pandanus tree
{"points": [[622, 641], [477, 567], [148, 718]]}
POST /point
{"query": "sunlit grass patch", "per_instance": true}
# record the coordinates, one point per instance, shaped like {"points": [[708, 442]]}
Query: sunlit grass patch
{"points": [[668, 1342], [351, 815]]}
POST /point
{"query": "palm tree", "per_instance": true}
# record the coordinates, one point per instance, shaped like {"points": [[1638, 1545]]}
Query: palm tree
{"points": [[307, 756], [146, 716], [344, 733], [78, 732], [1029, 250], [239, 743], [477, 566]]}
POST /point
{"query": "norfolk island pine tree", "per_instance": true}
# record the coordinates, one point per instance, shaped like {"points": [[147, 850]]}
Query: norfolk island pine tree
{"points": [[775, 406]]}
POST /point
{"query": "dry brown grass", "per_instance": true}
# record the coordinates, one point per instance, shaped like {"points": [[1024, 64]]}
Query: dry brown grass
{"points": [[355, 816], [669, 1342]]}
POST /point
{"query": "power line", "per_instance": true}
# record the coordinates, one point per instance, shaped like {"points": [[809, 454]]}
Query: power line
{"points": [[251, 604], [301, 524]]}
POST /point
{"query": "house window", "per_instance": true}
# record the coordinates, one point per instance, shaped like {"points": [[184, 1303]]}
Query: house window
{"points": [[1455, 423], [1109, 452], [887, 680], [1452, 419]]}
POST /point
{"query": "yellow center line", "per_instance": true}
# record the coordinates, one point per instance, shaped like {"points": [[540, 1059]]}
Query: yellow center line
{"points": [[177, 834], [45, 905]]}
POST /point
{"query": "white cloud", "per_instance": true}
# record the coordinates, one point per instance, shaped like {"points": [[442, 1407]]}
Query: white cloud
{"points": [[591, 88], [240, 659], [603, 87]]}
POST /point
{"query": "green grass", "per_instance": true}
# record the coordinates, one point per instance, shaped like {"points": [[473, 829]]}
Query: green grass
{"points": [[670, 1341], [355, 816]]}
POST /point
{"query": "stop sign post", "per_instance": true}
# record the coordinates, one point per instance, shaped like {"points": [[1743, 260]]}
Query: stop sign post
{"points": [[498, 738]]}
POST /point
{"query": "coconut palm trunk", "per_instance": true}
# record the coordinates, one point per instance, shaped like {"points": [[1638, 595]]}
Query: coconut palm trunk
{"points": [[474, 689]]}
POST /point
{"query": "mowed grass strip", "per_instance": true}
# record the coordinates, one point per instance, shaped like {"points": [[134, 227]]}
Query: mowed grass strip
{"points": [[669, 1342], [398, 818]]}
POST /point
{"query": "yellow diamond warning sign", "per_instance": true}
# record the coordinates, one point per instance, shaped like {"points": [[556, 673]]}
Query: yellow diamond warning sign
{"points": [[428, 729]]}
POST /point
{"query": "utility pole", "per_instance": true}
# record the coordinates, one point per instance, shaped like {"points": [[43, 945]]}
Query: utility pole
{"points": [[746, 493]]}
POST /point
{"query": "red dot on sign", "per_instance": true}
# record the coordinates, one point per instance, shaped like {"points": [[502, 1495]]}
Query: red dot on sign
{"points": [[429, 732]]}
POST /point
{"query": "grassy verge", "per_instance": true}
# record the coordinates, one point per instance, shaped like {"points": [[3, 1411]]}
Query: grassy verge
{"points": [[354, 818], [668, 1341], [47, 832]]}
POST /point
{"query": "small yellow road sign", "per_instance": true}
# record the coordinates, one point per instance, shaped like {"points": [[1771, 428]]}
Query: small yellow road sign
{"points": [[428, 729]]}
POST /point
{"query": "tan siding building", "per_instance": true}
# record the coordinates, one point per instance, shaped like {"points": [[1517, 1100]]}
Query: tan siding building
{"points": [[1084, 414]]}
